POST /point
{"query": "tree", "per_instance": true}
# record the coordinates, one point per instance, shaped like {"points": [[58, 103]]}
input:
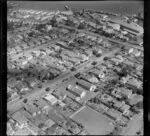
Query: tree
{"points": [[47, 89], [94, 52], [81, 26], [105, 58], [25, 100], [140, 105], [114, 81], [69, 22], [94, 63], [53, 21]]}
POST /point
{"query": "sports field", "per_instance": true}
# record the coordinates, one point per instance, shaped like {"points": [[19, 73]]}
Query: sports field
{"points": [[94, 122]]}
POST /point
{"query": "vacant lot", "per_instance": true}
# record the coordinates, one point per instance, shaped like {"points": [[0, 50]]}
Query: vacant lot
{"points": [[94, 122]]}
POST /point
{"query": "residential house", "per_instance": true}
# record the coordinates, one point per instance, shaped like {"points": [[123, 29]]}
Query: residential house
{"points": [[75, 90], [101, 67], [98, 73], [107, 97], [134, 52], [24, 131], [104, 107], [48, 124], [33, 128], [114, 114], [124, 108], [117, 104], [126, 92], [116, 93], [92, 79], [134, 82], [31, 108], [51, 98], [114, 26], [44, 107], [122, 121], [86, 85], [20, 118]]}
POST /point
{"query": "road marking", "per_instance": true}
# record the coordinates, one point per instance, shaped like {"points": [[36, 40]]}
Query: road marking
{"points": [[78, 111]]}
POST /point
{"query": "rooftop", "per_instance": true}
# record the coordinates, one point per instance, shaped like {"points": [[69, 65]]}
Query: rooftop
{"points": [[131, 26]]}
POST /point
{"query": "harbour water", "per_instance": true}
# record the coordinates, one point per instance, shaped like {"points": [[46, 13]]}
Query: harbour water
{"points": [[123, 7]]}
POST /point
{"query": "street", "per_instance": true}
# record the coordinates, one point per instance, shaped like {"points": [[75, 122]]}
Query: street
{"points": [[101, 36], [16, 105]]}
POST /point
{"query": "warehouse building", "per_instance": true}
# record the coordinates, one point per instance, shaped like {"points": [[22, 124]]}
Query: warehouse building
{"points": [[86, 85], [130, 28]]}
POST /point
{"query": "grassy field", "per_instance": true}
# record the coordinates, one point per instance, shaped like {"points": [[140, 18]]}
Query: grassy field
{"points": [[94, 122]]}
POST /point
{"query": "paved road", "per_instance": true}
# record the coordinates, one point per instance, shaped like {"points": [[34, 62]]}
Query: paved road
{"points": [[101, 36], [16, 105]]}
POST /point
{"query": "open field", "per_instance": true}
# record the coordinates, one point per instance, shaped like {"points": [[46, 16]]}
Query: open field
{"points": [[95, 123]]}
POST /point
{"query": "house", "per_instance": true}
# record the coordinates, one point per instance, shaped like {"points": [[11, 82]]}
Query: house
{"points": [[86, 85], [98, 73], [135, 82], [114, 26], [114, 114], [99, 40], [48, 124], [18, 48], [115, 61], [104, 107], [106, 97], [51, 98], [24, 62], [76, 90], [124, 108], [116, 93], [92, 79], [139, 67], [24, 131], [101, 67], [117, 104], [20, 118], [129, 27], [32, 81], [62, 104], [81, 34], [135, 52], [10, 131], [33, 128], [124, 80], [126, 92], [31, 109], [67, 13], [42, 104], [122, 121]]}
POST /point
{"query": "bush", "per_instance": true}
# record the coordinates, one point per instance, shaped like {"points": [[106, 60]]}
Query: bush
{"points": [[105, 58], [94, 63], [140, 105], [47, 89]]}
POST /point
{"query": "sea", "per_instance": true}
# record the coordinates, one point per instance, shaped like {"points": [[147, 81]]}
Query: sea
{"points": [[123, 7], [119, 7]]}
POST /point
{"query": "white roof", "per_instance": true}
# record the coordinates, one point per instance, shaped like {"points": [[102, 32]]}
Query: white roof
{"points": [[50, 98]]}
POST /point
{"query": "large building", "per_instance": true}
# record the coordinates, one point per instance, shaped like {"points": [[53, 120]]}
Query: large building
{"points": [[129, 27], [86, 85], [76, 91]]}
